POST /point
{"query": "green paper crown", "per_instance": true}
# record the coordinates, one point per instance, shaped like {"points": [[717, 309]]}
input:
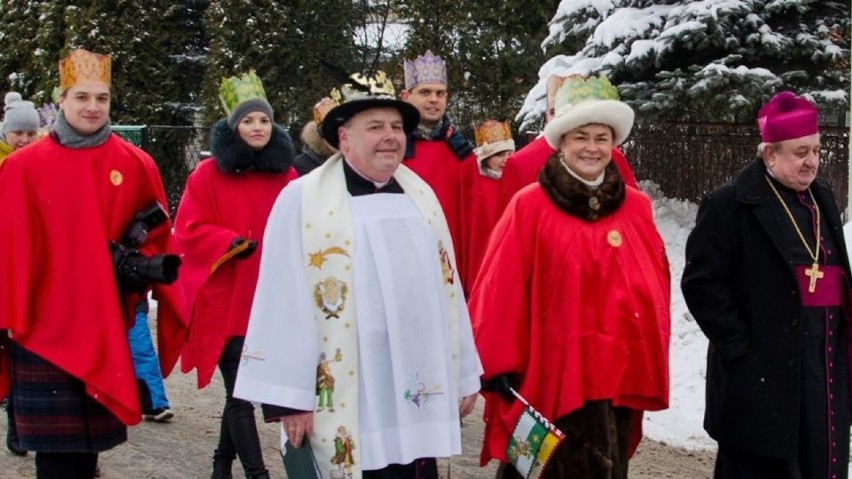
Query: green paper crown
{"points": [[235, 90], [577, 89]]}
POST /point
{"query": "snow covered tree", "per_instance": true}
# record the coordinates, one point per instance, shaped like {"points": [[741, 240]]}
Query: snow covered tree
{"points": [[702, 60]]}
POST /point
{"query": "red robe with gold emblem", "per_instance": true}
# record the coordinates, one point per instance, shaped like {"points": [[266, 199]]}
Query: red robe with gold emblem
{"points": [[216, 208], [578, 309], [59, 208], [524, 165]]}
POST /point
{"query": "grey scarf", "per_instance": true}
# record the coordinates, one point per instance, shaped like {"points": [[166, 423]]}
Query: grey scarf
{"points": [[69, 138]]}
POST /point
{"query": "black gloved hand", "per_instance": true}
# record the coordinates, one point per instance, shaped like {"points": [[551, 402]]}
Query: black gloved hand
{"points": [[124, 262], [238, 241], [134, 271], [503, 384], [459, 144]]}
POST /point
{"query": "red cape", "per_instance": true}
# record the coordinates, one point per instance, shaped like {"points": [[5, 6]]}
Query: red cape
{"points": [[60, 207], [478, 216], [441, 169], [579, 309], [216, 208], [523, 166]]}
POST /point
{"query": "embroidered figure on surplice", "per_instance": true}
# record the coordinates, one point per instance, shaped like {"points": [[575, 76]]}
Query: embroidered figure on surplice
{"points": [[343, 447], [446, 265], [330, 296], [325, 385]]}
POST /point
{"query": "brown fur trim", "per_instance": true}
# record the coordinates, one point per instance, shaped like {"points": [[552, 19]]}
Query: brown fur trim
{"points": [[311, 137], [575, 198]]}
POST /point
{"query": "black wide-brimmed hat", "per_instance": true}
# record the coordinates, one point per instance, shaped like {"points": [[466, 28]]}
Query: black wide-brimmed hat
{"points": [[363, 92]]}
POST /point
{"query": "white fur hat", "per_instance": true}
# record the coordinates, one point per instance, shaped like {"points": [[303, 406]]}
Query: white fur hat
{"points": [[493, 137], [582, 101]]}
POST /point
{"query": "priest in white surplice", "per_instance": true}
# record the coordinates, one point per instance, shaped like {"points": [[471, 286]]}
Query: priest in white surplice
{"points": [[359, 338]]}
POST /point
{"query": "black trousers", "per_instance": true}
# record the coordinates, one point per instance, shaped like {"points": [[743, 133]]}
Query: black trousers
{"points": [[66, 465], [238, 434]]}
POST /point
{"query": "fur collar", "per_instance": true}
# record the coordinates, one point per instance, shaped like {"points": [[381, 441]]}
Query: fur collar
{"points": [[575, 198], [312, 139], [233, 155]]}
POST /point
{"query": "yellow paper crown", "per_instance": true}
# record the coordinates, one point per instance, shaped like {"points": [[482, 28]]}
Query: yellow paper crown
{"points": [[363, 85], [492, 131], [84, 66], [322, 108], [235, 90]]}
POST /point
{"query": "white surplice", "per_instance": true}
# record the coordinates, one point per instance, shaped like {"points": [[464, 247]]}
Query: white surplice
{"points": [[408, 399]]}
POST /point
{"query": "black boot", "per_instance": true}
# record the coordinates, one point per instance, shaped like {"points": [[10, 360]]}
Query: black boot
{"points": [[262, 475], [221, 466]]}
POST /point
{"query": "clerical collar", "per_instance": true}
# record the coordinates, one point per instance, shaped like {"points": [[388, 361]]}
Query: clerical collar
{"points": [[358, 184], [591, 184]]}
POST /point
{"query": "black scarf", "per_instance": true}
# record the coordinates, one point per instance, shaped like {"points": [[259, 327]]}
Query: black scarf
{"points": [[578, 199], [234, 155]]}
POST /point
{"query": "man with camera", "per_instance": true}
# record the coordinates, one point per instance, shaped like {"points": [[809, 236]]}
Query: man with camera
{"points": [[84, 234]]}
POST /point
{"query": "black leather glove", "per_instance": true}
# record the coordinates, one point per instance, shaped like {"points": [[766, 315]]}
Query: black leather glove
{"points": [[460, 145], [238, 241], [502, 384]]}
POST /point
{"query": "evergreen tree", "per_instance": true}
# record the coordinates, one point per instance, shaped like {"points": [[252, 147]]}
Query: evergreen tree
{"points": [[703, 60], [17, 44], [492, 53], [283, 42]]}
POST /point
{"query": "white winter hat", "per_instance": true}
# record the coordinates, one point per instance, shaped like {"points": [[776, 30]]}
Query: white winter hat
{"points": [[582, 101], [19, 115]]}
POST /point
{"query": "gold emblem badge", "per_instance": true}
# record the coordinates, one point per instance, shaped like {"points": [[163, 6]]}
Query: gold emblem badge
{"points": [[330, 296], [115, 177], [614, 238]]}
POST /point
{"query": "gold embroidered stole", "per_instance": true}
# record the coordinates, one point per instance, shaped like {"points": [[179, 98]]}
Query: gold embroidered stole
{"points": [[329, 251]]}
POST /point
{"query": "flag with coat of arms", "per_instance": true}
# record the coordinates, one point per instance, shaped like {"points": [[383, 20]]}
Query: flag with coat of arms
{"points": [[533, 441]]}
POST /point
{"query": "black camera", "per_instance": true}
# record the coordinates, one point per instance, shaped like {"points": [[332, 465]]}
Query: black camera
{"points": [[133, 270]]}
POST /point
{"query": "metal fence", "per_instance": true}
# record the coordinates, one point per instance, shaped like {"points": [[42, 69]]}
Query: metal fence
{"points": [[689, 160], [686, 160]]}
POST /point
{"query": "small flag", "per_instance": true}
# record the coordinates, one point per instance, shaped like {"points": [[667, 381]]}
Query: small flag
{"points": [[533, 441]]}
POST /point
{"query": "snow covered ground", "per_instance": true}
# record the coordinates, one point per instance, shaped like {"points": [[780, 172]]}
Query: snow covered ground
{"points": [[681, 424]]}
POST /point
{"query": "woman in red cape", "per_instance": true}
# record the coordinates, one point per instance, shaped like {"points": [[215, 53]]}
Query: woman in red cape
{"points": [[571, 304]]}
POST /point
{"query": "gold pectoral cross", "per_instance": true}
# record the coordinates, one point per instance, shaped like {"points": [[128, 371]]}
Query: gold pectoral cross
{"points": [[814, 274]]}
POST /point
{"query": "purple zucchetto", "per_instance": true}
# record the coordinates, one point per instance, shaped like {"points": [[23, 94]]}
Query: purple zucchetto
{"points": [[427, 68], [786, 117]]}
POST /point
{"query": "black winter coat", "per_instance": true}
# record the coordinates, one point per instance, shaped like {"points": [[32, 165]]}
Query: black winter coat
{"points": [[739, 284]]}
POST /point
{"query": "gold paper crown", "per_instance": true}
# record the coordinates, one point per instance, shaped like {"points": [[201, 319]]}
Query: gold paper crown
{"points": [[84, 66], [322, 108], [361, 86], [492, 131], [576, 89], [235, 90]]}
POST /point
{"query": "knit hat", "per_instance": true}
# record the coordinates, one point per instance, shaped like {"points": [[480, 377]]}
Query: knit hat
{"points": [[786, 117], [19, 115], [493, 137], [363, 92], [581, 101], [427, 68], [243, 95]]}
